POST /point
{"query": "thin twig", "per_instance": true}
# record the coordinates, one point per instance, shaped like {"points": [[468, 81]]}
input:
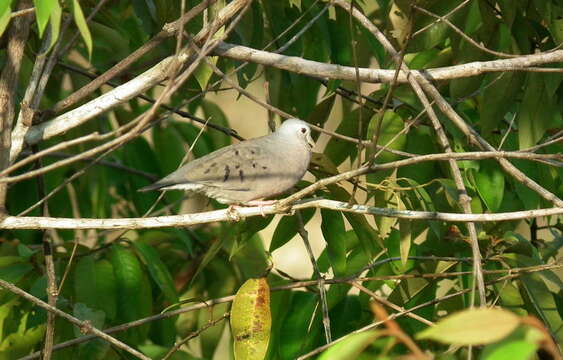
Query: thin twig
{"points": [[388, 303], [320, 278], [51, 289], [194, 334]]}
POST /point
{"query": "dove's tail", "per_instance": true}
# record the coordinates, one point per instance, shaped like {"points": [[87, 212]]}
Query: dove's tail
{"points": [[151, 187], [164, 184]]}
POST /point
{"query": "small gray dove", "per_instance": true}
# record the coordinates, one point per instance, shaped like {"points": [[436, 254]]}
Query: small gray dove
{"points": [[251, 170]]}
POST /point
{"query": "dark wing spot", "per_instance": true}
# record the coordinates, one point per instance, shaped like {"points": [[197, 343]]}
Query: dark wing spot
{"points": [[252, 152], [227, 172], [237, 166], [213, 164], [254, 165], [264, 167], [207, 171], [241, 175], [236, 153]]}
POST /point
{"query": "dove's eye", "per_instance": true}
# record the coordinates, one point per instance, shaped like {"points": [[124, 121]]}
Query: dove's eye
{"points": [[303, 130]]}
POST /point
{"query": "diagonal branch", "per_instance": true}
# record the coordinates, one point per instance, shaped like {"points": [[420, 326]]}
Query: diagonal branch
{"points": [[339, 72]]}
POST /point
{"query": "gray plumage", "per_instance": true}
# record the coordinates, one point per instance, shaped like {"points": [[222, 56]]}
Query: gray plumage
{"points": [[255, 169]]}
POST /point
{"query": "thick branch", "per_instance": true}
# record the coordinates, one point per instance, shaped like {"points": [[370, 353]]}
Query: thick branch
{"points": [[333, 71], [14, 222]]}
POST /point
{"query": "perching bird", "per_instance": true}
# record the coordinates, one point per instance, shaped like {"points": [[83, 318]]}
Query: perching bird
{"points": [[251, 170]]}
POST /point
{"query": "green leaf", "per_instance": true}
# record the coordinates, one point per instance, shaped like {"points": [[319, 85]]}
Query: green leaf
{"points": [[85, 282], [391, 134], [520, 345], [169, 148], [189, 133], [43, 9], [490, 184], [287, 228], [251, 257], [215, 114], [128, 276], [158, 352], [204, 72], [340, 38], [15, 272], [367, 235], [251, 31], [18, 344], [334, 233], [495, 100], [472, 327], [158, 271], [106, 289], [5, 15], [55, 23], [294, 330], [539, 299], [405, 239], [537, 112], [80, 21], [139, 155], [350, 347], [516, 350], [396, 248], [95, 349]]}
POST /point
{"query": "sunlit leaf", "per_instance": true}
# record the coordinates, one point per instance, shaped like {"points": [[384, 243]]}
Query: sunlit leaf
{"points": [[490, 184], [332, 226], [350, 347], [251, 320], [80, 21], [43, 9], [473, 327], [5, 13]]}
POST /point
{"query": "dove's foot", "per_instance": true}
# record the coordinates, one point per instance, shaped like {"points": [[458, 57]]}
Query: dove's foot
{"points": [[261, 204]]}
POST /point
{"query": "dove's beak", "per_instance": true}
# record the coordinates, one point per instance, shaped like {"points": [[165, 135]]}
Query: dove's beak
{"points": [[310, 141]]}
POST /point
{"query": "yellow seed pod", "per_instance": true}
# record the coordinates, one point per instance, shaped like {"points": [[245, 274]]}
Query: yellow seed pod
{"points": [[251, 320]]}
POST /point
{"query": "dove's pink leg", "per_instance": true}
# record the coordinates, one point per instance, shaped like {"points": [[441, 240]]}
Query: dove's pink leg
{"points": [[260, 203]]}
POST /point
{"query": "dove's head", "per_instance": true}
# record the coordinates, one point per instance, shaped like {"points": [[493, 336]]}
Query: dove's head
{"points": [[297, 129]]}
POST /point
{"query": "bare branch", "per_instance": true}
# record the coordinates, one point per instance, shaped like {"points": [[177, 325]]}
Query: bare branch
{"points": [[331, 71], [14, 222]]}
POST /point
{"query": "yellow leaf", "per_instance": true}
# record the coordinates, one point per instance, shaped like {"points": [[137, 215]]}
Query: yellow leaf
{"points": [[473, 327], [251, 320]]}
